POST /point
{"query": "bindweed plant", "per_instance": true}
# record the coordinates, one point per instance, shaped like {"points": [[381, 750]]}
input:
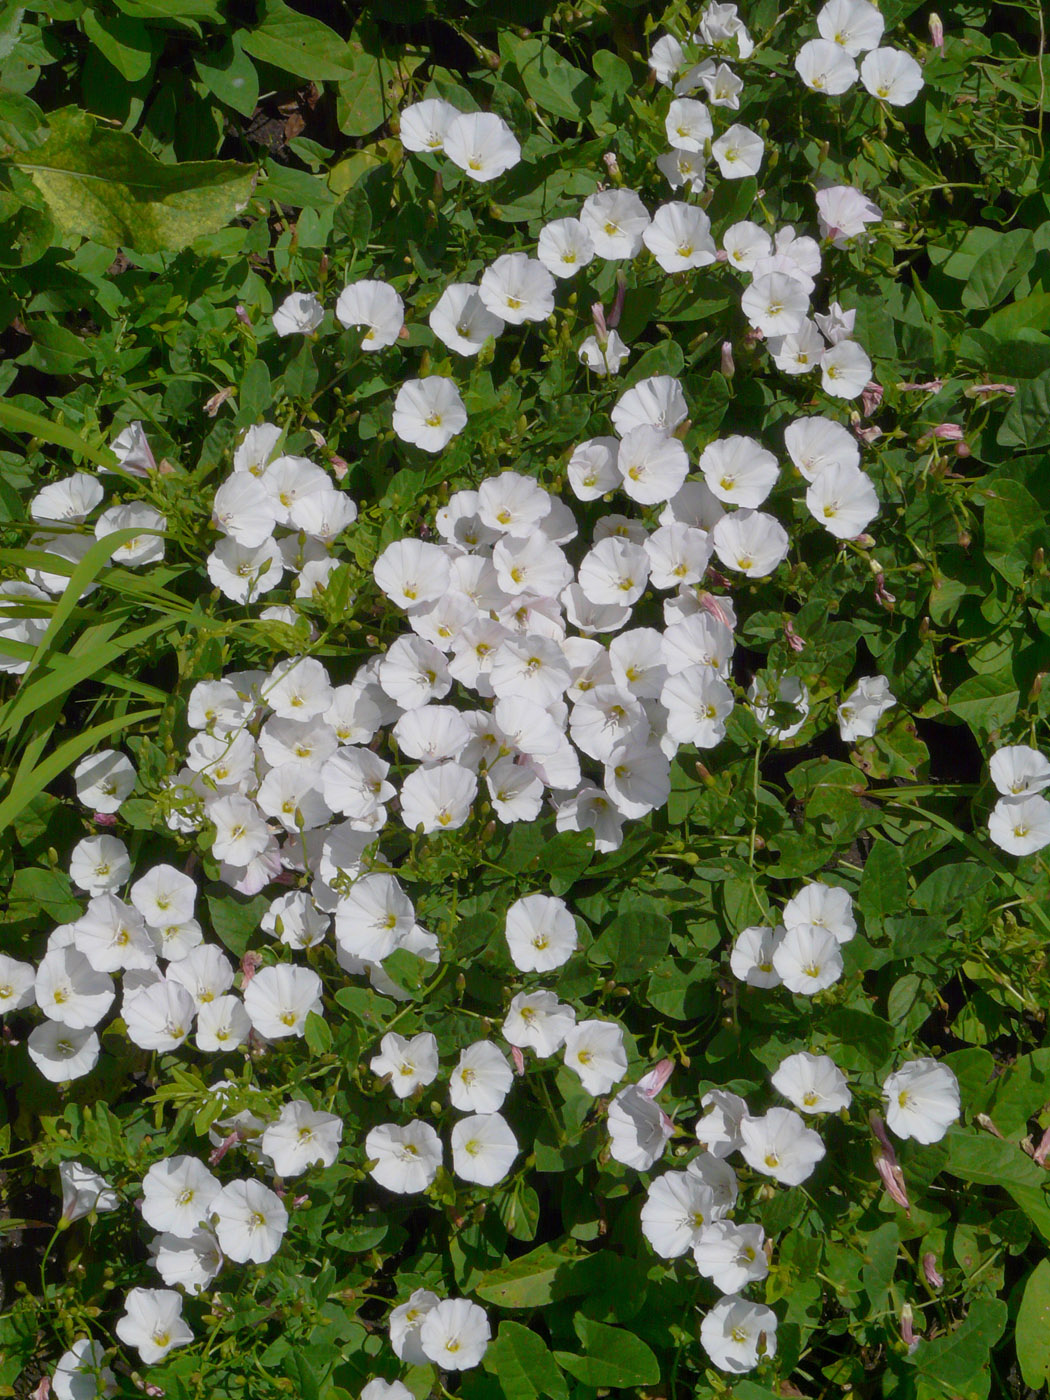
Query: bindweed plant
{"points": [[525, 743]]}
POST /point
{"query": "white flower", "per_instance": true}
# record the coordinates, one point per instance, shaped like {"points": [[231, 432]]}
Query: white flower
{"points": [[789, 691], [739, 471], [67, 502], [103, 780], [159, 1016], [731, 1255], [386, 1390], [826, 906], [595, 1050], [140, 549], [860, 712], [481, 1080], [405, 1322], [683, 169], [746, 245], [222, 1025], [1018, 770], [922, 1100], [698, 703], [718, 1130], [377, 307], [80, 1374], [164, 896], [437, 797], [374, 918], [153, 1323], [739, 152], [410, 1062], [843, 214], [825, 67], [250, 1221], [455, 1334], [481, 144], [178, 1195], [538, 1020], [424, 124], [855, 24], [68, 989], [845, 370], [483, 1148], [778, 1144], [279, 999], [17, 983], [299, 314], [84, 1191], [302, 1137], [688, 124], [1021, 826], [813, 1083], [517, 288], [61, 1053], [638, 1128], [816, 443], [429, 412], [657, 402], [540, 933], [892, 76], [564, 247], [752, 957], [750, 541], [615, 571], [615, 221], [808, 959], [462, 321], [191, 1262], [843, 500], [406, 1158], [775, 303], [241, 832], [677, 1207], [736, 1334], [241, 573], [652, 465], [720, 25], [99, 864], [604, 357]]}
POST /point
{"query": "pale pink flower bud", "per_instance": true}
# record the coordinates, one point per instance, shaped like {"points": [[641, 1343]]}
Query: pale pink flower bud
{"points": [[937, 33], [728, 363], [1043, 1150], [908, 1336], [950, 432], [242, 315], [651, 1083], [518, 1058], [929, 1269], [871, 397], [794, 641], [250, 965]]}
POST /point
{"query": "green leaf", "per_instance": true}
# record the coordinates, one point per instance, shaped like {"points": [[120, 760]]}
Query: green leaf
{"points": [[957, 1364], [232, 78], [22, 124], [991, 1161], [634, 941], [865, 1041], [884, 884], [1027, 421], [555, 85], [1013, 518], [127, 43], [526, 1282], [999, 268], [521, 1360], [297, 43], [103, 185], [1031, 313], [1032, 1334], [235, 918], [986, 703], [317, 1033], [21, 420], [614, 1357]]}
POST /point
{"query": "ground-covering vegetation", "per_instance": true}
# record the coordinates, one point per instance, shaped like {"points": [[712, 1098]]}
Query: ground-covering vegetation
{"points": [[525, 627]]}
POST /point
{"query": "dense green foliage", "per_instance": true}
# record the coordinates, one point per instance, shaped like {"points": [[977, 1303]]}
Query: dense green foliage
{"points": [[169, 173]]}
